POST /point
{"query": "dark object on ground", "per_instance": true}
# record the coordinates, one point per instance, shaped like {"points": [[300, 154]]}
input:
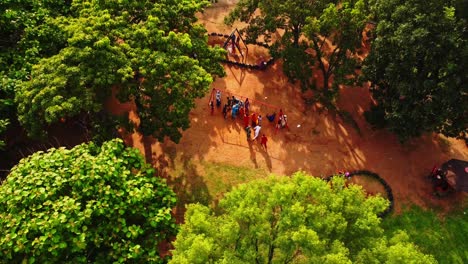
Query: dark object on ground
{"points": [[271, 117], [450, 177]]}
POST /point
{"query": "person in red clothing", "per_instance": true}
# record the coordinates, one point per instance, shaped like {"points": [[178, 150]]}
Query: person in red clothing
{"points": [[246, 120], [247, 105], [264, 141], [254, 120], [280, 114], [241, 111]]}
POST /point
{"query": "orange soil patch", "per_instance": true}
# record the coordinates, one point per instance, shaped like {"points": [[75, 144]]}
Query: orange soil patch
{"points": [[321, 145]]}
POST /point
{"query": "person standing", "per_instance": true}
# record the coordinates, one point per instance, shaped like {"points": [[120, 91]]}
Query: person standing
{"points": [[234, 111], [225, 110], [256, 132], [233, 43], [284, 122], [241, 111], [212, 107], [218, 98], [246, 120], [259, 120], [247, 105], [248, 132], [254, 120], [278, 124], [264, 141]]}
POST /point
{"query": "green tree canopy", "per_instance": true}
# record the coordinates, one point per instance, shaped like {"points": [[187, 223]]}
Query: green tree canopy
{"points": [[322, 33], [87, 204], [152, 53], [335, 35], [417, 67], [292, 220], [265, 17]]}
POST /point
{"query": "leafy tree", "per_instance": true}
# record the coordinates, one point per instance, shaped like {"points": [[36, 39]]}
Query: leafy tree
{"points": [[292, 220], [335, 35], [323, 33], [289, 15], [152, 53], [87, 204], [417, 68]]}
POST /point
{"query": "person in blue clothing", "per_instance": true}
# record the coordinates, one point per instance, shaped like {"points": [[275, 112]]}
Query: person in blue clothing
{"points": [[235, 110]]}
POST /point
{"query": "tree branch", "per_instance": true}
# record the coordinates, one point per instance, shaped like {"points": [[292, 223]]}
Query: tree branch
{"points": [[318, 52], [332, 62]]}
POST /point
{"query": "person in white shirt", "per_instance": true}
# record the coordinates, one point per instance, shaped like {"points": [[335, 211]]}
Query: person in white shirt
{"points": [[256, 131]]}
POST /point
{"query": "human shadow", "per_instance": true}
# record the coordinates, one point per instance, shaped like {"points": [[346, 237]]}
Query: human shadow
{"points": [[253, 154], [267, 157]]}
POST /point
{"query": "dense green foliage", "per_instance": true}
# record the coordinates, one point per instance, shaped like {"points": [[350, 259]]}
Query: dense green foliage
{"points": [[445, 238], [25, 36], [152, 53], [87, 204], [417, 67], [321, 33], [283, 220]]}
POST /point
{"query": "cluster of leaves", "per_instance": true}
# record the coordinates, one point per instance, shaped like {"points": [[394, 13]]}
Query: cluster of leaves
{"points": [[417, 67], [300, 219], [87, 204], [325, 34]]}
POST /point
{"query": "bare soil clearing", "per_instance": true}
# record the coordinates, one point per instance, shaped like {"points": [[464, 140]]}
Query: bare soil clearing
{"points": [[316, 143]]}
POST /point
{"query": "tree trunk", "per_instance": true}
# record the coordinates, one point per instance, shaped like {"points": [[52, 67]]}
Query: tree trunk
{"points": [[271, 254], [296, 33], [325, 73]]}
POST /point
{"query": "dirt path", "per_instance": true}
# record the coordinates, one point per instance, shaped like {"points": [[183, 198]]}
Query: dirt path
{"points": [[320, 146]]}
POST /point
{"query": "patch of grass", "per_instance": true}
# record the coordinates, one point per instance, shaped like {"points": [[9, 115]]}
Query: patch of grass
{"points": [[220, 178], [189, 184], [445, 239], [206, 182]]}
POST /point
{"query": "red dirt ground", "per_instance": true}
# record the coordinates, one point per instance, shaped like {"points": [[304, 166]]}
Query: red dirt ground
{"points": [[322, 145]]}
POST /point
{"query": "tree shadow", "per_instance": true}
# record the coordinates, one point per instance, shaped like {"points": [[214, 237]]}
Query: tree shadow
{"points": [[188, 184], [18, 145]]}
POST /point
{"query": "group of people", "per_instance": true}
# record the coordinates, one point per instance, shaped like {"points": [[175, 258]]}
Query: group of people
{"points": [[440, 182], [252, 121], [282, 121], [235, 106]]}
